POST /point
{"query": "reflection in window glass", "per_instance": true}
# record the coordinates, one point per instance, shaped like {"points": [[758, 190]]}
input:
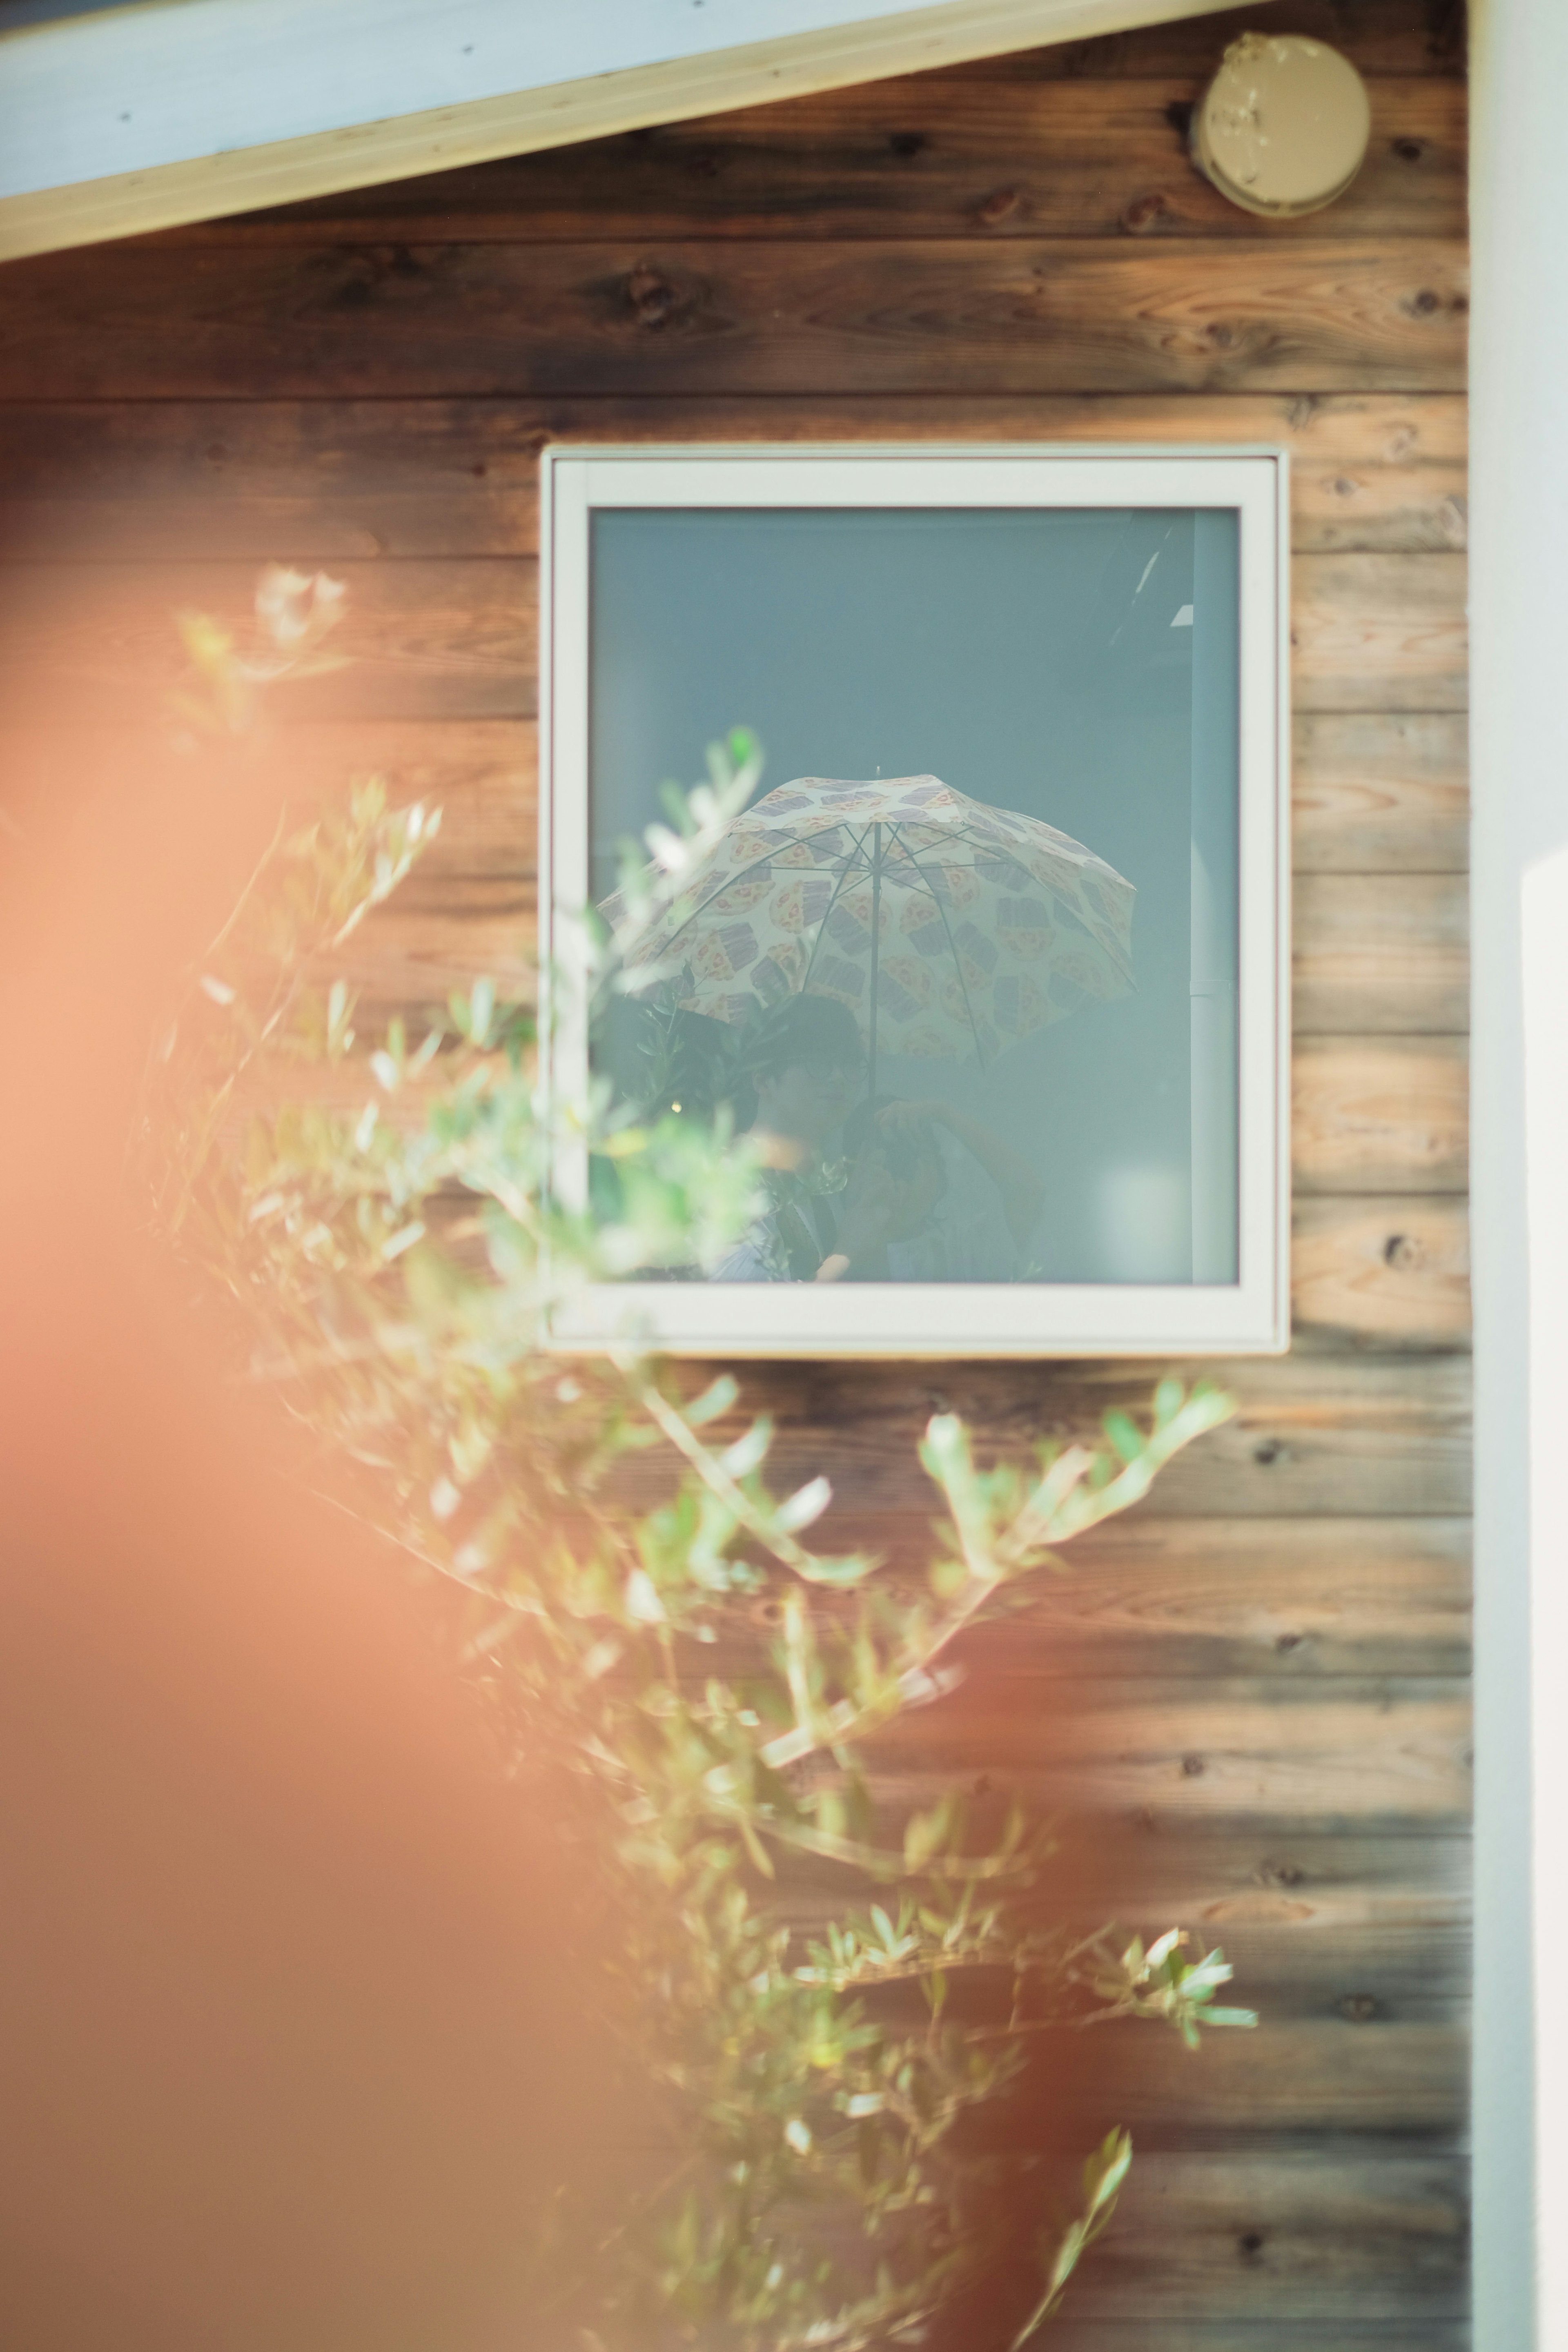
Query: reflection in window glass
{"points": [[968, 963]]}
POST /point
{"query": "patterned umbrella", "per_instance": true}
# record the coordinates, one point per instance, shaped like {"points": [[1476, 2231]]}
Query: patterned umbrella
{"points": [[951, 929]]}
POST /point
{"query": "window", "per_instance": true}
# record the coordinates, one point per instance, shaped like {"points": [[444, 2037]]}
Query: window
{"points": [[992, 966]]}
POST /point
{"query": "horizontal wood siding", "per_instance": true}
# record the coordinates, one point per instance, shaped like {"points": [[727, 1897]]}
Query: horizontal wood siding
{"points": [[1249, 1703]]}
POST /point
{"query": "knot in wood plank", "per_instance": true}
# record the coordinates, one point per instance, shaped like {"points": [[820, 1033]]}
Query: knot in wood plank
{"points": [[652, 298], [1146, 212], [1000, 205]]}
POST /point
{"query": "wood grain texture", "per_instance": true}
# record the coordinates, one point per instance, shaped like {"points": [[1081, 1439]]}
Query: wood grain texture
{"points": [[1295, 2082], [1380, 792], [1379, 633], [1221, 1597], [1387, 1271], [145, 319], [1380, 36], [1374, 792], [1295, 1888], [1366, 1974], [1381, 953], [327, 481], [1376, 2238], [1321, 1928], [1317, 1435], [1267, 2333], [1389, 1113], [481, 773], [450, 639], [1322, 1754], [920, 155], [456, 637], [1371, 954]]}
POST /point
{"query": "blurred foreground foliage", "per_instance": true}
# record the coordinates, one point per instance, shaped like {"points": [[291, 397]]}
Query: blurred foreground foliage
{"points": [[693, 1688]]}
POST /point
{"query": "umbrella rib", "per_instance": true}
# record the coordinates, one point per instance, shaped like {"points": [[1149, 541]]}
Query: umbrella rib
{"points": [[843, 873], [953, 944], [853, 864], [730, 880]]}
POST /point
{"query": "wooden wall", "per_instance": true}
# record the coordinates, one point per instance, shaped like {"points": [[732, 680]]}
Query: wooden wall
{"points": [[1268, 1666]]}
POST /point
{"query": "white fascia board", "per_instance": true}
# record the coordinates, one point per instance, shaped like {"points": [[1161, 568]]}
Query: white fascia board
{"points": [[143, 117]]}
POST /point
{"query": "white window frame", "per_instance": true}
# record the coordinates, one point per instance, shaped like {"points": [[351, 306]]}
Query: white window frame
{"points": [[1250, 1316]]}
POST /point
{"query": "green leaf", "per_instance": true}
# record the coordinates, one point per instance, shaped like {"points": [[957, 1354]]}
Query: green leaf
{"points": [[1125, 1434], [760, 1858], [715, 1399], [948, 1578], [1107, 2168]]}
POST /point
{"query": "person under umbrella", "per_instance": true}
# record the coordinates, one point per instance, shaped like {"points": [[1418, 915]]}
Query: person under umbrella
{"points": [[929, 1236], [804, 1060]]}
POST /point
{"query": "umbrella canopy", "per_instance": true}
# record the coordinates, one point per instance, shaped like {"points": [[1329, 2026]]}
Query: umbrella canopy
{"points": [[950, 929]]}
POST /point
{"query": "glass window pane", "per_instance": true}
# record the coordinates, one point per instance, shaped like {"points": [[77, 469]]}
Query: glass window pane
{"points": [[1056, 1018]]}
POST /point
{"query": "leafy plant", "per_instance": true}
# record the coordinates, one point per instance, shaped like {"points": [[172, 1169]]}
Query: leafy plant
{"points": [[389, 1229]]}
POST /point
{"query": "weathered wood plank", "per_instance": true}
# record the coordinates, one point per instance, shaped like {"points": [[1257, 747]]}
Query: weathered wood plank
{"points": [[456, 637], [1282, 2082], [1379, 633], [1382, 37], [1391, 1271], [1372, 793], [1221, 1597], [1266, 2333], [443, 934], [1330, 1753], [1315, 1437], [1371, 1976], [140, 321], [1375, 1932], [1380, 793], [918, 156], [481, 773], [1381, 953], [1221, 1879], [317, 482], [1373, 953], [1382, 1114], [1352, 2239], [1294, 1968]]}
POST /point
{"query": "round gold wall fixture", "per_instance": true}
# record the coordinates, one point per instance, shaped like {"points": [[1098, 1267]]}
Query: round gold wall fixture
{"points": [[1283, 127]]}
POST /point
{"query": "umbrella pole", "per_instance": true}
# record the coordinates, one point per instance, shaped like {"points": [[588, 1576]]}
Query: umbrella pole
{"points": [[875, 952]]}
